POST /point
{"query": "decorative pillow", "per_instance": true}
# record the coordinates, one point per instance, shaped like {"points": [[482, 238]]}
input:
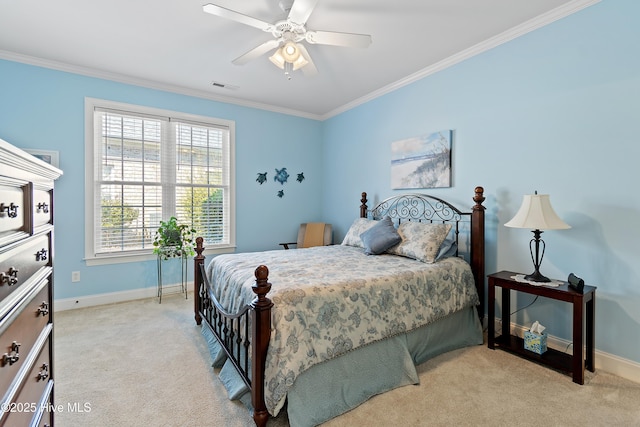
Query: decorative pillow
{"points": [[359, 226], [447, 249], [380, 237], [420, 240]]}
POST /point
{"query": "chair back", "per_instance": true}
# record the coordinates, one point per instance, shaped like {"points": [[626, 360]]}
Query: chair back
{"points": [[314, 234]]}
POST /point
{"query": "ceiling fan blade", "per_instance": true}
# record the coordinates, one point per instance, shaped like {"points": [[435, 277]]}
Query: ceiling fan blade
{"points": [[301, 10], [310, 69], [338, 39], [236, 16], [256, 52]]}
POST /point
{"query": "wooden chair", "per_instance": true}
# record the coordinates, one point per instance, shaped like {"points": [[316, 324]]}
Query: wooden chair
{"points": [[312, 234]]}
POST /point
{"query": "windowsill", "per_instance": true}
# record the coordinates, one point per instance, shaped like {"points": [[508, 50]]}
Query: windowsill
{"points": [[121, 259]]}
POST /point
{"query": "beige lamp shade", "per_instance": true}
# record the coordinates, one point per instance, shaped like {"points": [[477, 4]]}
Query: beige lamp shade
{"points": [[536, 213], [289, 53], [278, 59]]}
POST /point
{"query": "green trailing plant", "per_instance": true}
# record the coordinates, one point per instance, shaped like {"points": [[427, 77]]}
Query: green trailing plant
{"points": [[174, 240]]}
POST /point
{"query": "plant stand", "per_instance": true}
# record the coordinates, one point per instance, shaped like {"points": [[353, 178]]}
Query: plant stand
{"points": [[183, 275]]}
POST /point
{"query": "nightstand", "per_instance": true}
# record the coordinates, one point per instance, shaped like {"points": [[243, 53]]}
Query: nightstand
{"points": [[583, 305]]}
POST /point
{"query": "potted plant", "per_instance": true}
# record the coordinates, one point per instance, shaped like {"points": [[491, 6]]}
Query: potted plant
{"points": [[174, 240]]}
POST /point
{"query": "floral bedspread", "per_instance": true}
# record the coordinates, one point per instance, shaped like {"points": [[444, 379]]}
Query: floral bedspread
{"points": [[332, 299]]}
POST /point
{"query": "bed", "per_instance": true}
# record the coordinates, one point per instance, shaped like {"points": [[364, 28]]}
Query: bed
{"points": [[345, 322]]}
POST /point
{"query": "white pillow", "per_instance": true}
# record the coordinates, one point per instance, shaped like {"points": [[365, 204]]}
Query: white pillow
{"points": [[420, 240], [359, 226]]}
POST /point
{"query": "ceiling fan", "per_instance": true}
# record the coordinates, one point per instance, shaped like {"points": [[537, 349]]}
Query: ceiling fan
{"points": [[290, 55]]}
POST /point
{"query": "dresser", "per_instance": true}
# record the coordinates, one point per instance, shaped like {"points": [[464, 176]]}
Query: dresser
{"points": [[26, 288]]}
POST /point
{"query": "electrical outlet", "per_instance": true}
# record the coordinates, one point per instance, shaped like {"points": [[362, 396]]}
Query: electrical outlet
{"points": [[75, 276]]}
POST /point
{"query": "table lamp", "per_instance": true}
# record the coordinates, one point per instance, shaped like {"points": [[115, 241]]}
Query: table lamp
{"points": [[537, 214]]}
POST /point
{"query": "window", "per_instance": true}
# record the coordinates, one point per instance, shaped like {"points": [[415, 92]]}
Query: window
{"points": [[146, 165]]}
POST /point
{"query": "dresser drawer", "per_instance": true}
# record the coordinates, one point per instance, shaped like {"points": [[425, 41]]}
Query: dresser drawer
{"points": [[46, 420], [18, 264], [42, 207], [29, 403], [20, 331], [45, 417], [26, 288], [13, 216]]}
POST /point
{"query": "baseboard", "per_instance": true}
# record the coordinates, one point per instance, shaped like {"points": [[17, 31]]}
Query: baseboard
{"points": [[113, 297], [610, 363]]}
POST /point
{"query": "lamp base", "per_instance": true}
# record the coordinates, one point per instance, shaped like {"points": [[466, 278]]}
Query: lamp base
{"points": [[536, 277]]}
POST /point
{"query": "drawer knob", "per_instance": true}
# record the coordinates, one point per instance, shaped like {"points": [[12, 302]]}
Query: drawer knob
{"points": [[13, 357], [43, 207], [12, 209], [43, 309], [41, 255], [44, 372], [10, 277]]}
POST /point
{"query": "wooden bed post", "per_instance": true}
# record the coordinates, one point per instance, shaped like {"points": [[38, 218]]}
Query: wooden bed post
{"points": [[363, 206], [197, 278], [260, 335], [477, 246]]}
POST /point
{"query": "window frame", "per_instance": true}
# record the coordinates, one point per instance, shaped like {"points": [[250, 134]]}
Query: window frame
{"points": [[91, 258]]}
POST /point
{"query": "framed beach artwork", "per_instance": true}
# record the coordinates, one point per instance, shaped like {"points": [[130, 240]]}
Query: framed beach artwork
{"points": [[422, 161], [51, 157]]}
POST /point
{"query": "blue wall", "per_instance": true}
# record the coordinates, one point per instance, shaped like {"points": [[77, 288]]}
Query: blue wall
{"points": [[44, 109], [555, 110]]}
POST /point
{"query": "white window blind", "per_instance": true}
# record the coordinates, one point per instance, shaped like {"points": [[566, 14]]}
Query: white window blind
{"points": [[148, 167]]}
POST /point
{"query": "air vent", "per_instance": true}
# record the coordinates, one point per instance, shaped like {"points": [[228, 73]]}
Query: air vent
{"points": [[223, 85]]}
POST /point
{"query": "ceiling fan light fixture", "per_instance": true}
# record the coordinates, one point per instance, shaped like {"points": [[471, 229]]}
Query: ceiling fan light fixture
{"points": [[290, 52], [278, 59], [299, 63]]}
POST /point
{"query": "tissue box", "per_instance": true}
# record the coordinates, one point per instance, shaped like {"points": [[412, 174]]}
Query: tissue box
{"points": [[534, 342]]}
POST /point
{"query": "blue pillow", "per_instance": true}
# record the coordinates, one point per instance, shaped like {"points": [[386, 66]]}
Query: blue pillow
{"points": [[380, 237], [448, 249]]}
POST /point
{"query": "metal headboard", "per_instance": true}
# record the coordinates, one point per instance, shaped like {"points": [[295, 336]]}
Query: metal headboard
{"points": [[421, 208]]}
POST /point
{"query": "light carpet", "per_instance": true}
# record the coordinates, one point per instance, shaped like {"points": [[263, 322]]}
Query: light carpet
{"points": [[141, 363]]}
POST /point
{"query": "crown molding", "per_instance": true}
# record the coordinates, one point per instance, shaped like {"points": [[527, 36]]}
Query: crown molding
{"points": [[506, 36], [513, 33], [150, 84]]}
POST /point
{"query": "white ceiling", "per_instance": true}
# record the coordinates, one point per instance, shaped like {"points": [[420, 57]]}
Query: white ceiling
{"points": [[174, 45]]}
